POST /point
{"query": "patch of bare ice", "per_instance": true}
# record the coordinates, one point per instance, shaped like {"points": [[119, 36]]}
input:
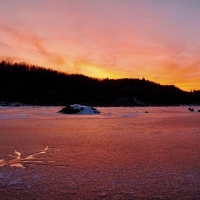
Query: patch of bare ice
{"points": [[17, 160], [17, 165]]}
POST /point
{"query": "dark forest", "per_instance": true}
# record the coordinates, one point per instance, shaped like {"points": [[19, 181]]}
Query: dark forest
{"points": [[30, 84]]}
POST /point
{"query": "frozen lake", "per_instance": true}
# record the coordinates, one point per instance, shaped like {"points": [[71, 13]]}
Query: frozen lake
{"points": [[122, 153]]}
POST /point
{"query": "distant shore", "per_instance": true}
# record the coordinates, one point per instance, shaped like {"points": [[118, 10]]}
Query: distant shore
{"points": [[19, 104], [21, 83]]}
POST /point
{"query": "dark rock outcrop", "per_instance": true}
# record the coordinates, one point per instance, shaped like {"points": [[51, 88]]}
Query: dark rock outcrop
{"points": [[79, 109]]}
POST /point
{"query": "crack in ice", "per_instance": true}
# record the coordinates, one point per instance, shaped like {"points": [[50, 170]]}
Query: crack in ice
{"points": [[17, 159]]}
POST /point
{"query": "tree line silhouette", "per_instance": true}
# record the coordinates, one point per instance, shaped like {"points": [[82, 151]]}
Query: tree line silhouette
{"points": [[30, 84]]}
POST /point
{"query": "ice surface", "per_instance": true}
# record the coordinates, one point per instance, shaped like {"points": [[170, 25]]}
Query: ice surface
{"points": [[17, 165], [122, 153]]}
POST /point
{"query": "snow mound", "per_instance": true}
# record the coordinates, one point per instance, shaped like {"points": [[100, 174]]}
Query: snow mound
{"points": [[79, 109]]}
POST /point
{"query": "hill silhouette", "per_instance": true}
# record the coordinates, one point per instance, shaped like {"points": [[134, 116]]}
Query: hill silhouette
{"points": [[30, 84]]}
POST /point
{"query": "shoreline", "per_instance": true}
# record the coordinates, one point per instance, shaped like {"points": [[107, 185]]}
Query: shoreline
{"points": [[19, 104]]}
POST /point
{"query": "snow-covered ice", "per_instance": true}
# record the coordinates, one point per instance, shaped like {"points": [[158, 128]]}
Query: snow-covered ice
{"points": [[121, 153]]}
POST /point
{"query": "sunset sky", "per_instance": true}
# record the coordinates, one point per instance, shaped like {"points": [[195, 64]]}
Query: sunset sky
{"points": [[155, 39]]}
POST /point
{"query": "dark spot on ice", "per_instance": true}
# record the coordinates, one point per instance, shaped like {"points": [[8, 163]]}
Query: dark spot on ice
{"points": [[191, 109], [103, 195]]}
